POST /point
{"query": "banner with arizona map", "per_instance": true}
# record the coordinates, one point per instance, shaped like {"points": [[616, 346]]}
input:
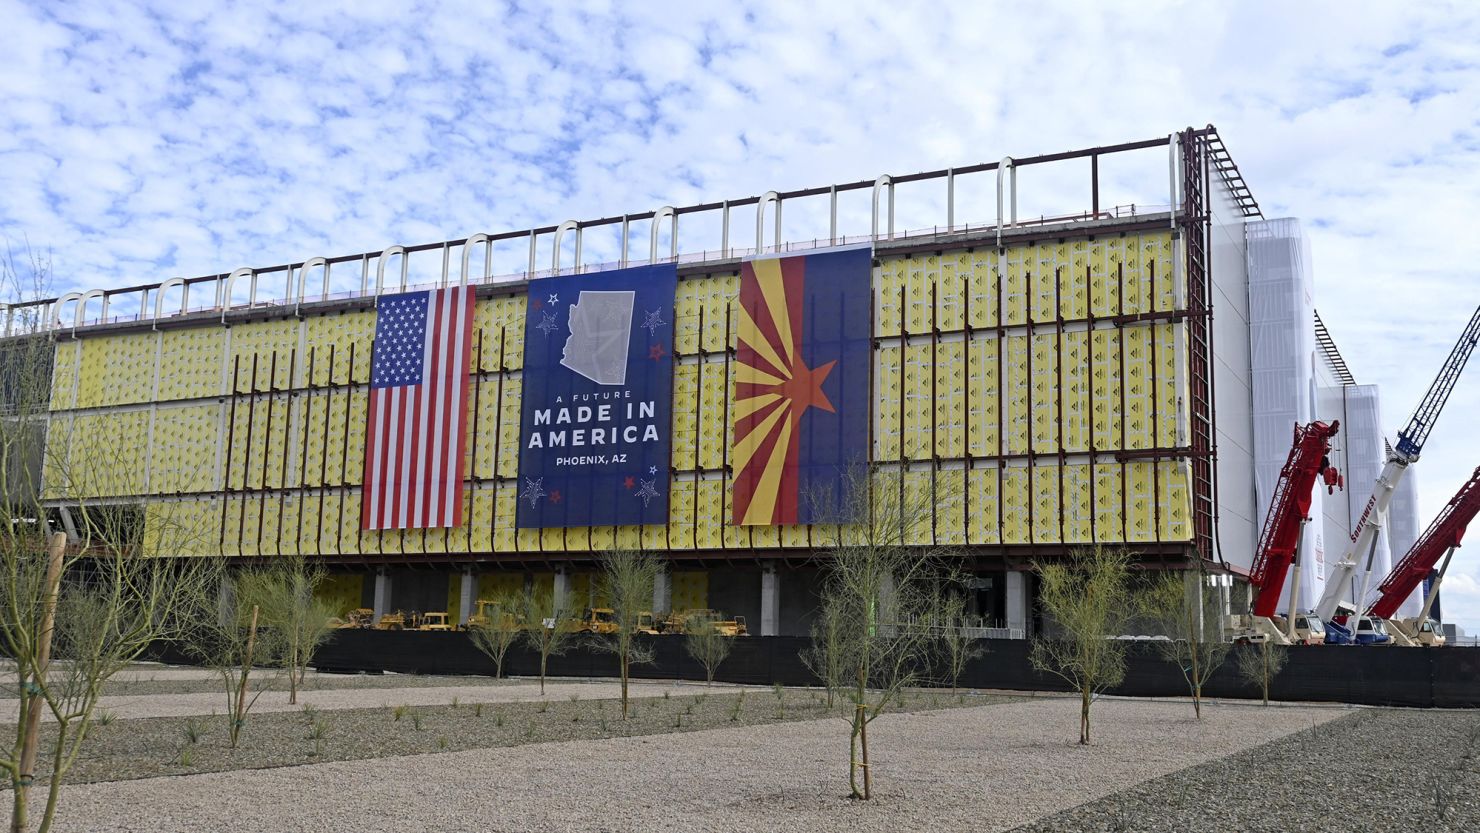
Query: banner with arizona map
{"points": [[594, 430]]}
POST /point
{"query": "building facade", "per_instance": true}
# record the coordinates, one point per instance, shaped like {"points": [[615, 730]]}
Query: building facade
{"points": [[1055, 383]]}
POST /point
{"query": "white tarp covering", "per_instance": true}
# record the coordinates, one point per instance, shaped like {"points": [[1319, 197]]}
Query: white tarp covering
{"points": [[1282, 343], [1403, 530], [1365, 456]]}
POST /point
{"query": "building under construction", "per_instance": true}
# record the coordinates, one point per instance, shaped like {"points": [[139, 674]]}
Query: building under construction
{"points": [[1123, 368]]}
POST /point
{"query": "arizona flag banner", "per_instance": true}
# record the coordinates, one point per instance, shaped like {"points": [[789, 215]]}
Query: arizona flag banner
{"points": [[801, 406], [417, 428]]}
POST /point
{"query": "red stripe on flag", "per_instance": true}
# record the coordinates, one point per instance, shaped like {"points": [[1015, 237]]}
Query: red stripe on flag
{"points": [[369, 518], [461, 367]]}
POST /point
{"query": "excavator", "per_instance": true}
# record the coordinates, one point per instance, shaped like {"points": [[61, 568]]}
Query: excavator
{"points": [[1441, 539], [1279, 542], [1333, 605]]}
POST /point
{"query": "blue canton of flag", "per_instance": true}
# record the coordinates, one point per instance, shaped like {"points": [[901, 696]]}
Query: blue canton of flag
{"points": [[400, 336]]}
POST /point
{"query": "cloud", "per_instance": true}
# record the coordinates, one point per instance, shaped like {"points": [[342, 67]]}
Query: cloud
{"points": [[144, 141]]}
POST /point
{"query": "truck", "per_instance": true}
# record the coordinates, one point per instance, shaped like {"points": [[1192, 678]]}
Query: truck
{"points": [[1279, 541]]}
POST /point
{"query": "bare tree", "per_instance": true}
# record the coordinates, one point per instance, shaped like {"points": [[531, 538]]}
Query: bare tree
{"points": [[1189, 615], [75, 608], [228, 639], [706, 644], [627, 577], [959, 646], [1259, 664], [1087, 598], [497, 635], [825, 657], [542, 623], [881, 581], [300, 621]]}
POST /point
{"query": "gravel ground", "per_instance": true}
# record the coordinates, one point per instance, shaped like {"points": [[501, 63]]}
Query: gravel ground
{"points": [[276, 700], [1377, 770], [144, 748], [988, 768]]}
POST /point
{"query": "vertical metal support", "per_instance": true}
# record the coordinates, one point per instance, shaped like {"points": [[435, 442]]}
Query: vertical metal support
{"points": [[724, 233], [1172, 150], [446, 251], [364, 273], [626, 228], [1006, 212], [533, 240], [760, 221], [560, 230], [473, 240], [1295, 583], [380, 268], [1094, 186], [832, 223], [666, 212], [950, 200], [879, 184]]}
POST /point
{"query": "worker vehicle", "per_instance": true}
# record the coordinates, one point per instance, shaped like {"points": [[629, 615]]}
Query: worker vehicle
{"points": [[1443, 536], [487, 612], [392, 622], [1279, 542], [1364, 535], [597, 620], [360, 617], [434, 621], [726, 627]]}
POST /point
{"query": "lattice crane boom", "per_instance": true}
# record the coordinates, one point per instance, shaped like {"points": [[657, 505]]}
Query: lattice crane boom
{"points": [[1410, 444], [1443, 534], [1289, 508]]}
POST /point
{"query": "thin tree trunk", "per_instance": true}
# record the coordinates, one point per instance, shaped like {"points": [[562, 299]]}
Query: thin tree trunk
{"points": [[1196, 682], [293, 674], [544, 658], [1084, 715], [31, 743], [624, 685], [54, 789], [239, 717], [868, 779]]}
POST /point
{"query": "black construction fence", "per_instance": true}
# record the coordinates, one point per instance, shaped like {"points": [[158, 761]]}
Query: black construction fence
{"points": [[1446, 677]]}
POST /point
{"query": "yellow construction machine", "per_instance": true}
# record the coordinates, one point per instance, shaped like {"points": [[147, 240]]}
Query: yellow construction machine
{"points": [[436, 621], [360, 617]]}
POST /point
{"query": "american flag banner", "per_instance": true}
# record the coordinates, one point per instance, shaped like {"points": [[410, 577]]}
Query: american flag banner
{"points": [[416, 434]]}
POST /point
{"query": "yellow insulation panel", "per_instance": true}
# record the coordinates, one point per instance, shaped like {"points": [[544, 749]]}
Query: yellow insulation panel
{"points": [[262, 354], [116, 370], [339, 347], [183, 453], [190, 363]]}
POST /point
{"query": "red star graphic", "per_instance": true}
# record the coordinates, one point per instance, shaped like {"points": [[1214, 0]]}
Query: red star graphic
{"points": [[555, 496], [804, 389], [629, 483], [656, 352], [539, 303]]}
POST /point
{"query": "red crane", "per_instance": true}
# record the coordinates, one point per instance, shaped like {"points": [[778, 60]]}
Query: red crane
{"points": [[1442, 536], [1289, 509]]}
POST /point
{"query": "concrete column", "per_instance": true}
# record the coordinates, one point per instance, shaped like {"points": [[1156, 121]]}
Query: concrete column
{"points": [[468, 596], [382, 594], [1192, 584], [663, 593], [887, 611], [770, 600], [562, 589], [1017, 601]]}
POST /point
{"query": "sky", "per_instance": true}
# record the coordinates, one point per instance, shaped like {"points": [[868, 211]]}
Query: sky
{"points": [[144, 141]]}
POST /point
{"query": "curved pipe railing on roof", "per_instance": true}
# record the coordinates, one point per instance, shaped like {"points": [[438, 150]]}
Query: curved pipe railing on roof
{"points": [[56, 309], [760, 221], [1173, 145], [386, 255], [80, 311], [669, 213], [879, 184], [303, 278], [473, 240], [560, 230], [164, 287], [230, 283]]}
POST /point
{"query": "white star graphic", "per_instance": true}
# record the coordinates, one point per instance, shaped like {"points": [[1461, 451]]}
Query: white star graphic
{"points": [[554, 299], [648, 491]]}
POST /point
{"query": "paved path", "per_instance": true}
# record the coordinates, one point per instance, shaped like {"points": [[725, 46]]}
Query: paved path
{"points": [[981, 769], [182, 705]]}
